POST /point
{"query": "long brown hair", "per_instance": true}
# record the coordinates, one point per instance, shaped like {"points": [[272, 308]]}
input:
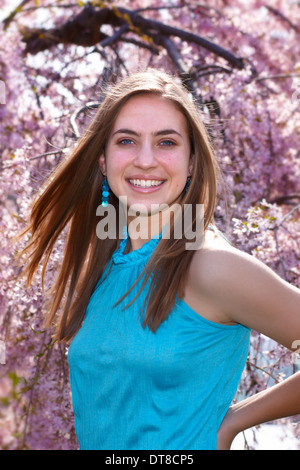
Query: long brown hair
{"points": [[72, 194]]}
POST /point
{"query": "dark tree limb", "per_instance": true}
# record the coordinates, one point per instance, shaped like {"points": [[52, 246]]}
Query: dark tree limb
{"points": [[282, 17], [189, 37], [11, 16], [184, 74], [85, 30]]}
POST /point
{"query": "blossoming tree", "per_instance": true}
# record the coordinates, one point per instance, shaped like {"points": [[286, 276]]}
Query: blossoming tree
{"points": [[239, 60]]}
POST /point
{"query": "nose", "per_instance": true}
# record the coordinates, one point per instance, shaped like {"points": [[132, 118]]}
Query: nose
{"points": [[145, 156]]}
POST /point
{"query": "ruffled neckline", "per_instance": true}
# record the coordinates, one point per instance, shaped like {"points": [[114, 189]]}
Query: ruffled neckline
{"points": [[134, 256], [146, 250]]}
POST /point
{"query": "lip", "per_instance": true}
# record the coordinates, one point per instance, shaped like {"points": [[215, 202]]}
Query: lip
{"points": [[145, 177], [145, 189]]}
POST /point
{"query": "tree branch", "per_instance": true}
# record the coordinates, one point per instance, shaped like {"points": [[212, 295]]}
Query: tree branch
{"points": [[36, 157], [287, 199], [276, 228], [278, 76], [189, 37], [84, 30], [90, 105], [295, 208], [251, 364], [282, 17], [9, 19], [180, 65]]}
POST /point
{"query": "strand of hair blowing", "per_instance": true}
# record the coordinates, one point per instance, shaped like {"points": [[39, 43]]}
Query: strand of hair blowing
{"points": [[69, 199]]}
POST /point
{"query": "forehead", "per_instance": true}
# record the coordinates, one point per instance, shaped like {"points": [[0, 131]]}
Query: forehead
{"points": [[150, 111]]}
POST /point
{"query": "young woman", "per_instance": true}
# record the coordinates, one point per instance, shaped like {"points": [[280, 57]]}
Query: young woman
{"points": [[158, 332]]}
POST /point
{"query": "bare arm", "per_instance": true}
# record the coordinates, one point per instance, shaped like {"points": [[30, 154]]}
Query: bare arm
{"points": [[277, 402]]}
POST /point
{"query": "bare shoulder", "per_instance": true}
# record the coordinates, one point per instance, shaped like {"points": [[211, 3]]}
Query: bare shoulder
{"points": [[209, 272], [218, 263], [245, 290], [215, 255]]}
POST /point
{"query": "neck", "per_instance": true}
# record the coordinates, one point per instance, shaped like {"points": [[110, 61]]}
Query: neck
{"points": [[143, 228]]}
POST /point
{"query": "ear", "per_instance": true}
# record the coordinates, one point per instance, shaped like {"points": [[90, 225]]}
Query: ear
{"points": [[191, 165], [102, 164]]}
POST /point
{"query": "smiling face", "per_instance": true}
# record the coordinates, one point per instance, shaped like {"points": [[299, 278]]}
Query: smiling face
{"points": [[148, 156]]}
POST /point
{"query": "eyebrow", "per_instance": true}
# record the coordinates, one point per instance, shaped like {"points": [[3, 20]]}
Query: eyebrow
{"points": [[158, 133]]}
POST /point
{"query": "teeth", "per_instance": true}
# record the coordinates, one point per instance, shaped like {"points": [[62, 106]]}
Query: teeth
{"points": [[145, 183]]}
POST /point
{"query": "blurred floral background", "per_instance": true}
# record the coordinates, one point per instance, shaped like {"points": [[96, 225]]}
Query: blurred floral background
{"points": [[240, 61]]}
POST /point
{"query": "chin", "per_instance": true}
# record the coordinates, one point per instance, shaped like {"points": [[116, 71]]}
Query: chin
{"points": [[140, 209]]}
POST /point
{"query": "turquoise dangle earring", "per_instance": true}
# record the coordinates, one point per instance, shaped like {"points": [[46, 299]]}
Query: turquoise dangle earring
{"points": [[105, 193], [188, 182]]}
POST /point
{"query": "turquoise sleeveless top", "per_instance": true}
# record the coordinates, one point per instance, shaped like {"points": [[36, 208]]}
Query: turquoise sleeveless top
{"points": [[133, 389]]}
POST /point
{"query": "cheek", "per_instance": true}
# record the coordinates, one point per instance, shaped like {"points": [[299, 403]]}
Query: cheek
{"points": [[178, 169], [115, 164], [116, 167]]}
